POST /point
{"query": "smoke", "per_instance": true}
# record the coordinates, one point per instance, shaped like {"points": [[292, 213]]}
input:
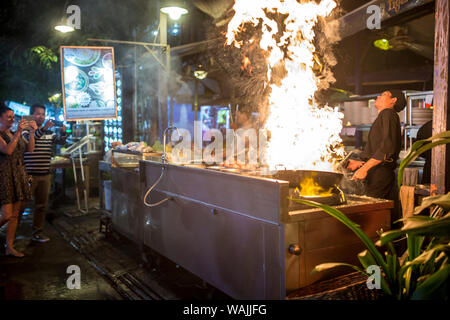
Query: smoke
{"points": [[327, 36], [153, 73], [250, 86], [349, 186]]}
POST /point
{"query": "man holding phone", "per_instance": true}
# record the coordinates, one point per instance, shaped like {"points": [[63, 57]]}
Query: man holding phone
{"points": [[38, 167], [28, 119]]}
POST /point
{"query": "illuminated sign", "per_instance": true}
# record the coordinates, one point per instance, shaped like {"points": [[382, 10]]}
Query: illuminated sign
{"points": [[19, 109], [89, 91]]}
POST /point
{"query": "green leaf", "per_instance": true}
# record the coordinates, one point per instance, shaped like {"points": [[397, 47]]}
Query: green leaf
{"points": [[416, 221], [414, 243], [436, 227], [443, 263], [428, 255], [442, 201], [427, 288], [423, 278], [367, 260], [407, 278], [420, 147], [332, 265], [436, 264], [46, 56]]}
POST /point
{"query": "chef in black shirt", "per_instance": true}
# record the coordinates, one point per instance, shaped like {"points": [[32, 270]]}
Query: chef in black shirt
{"points": [[382, 149]]}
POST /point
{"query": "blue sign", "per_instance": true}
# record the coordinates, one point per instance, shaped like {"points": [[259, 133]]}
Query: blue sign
{"points": [[19, 109]]}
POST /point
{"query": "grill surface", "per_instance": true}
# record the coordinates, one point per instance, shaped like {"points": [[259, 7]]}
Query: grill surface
{"points": [[337, 198]]}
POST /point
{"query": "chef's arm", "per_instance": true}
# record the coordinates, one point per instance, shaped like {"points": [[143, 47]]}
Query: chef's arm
{"points": [[370, 164], [361, 173]]}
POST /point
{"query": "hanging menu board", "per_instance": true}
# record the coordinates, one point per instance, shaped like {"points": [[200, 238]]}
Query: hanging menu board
{"points": [[88, 83]]}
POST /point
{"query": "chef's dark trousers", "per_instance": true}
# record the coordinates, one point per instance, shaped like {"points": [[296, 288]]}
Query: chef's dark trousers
{"points": [[381, 183]]}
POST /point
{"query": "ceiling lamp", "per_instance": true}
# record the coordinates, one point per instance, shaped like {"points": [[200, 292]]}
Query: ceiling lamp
{"points": [[382, 44], [64, 27], [175, 9], [200, 73]]}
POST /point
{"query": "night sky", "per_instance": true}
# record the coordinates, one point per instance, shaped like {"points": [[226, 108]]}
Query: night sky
{"points": [[27, 24]]}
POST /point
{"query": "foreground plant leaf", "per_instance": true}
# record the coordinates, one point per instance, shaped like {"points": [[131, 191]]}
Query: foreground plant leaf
{"points": [[427, 289], [442, 200], [433, 228], [332, 265], [420, 147]]}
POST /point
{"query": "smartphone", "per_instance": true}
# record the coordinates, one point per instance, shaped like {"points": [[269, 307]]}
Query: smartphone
{"points": [[28, 118], [58, 123]]}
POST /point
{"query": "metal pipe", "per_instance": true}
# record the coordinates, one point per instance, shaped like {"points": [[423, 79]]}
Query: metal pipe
{"points": [[163, 160], [151, 205], [129, 42]]}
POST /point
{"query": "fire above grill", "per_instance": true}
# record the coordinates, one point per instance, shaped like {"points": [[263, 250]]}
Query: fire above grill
{"points": [[318, 186], [334, 198], [324, 179]]}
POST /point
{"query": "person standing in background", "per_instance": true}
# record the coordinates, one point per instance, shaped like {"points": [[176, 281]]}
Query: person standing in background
{"points": [[14, 181], [38, 167]]}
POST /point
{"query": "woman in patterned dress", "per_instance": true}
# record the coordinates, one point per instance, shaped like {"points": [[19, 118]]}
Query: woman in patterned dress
{"points": [[14, 187]]}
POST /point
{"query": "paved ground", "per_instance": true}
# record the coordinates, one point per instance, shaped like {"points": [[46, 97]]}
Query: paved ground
{"points": [[42, 273], [111, 266]]}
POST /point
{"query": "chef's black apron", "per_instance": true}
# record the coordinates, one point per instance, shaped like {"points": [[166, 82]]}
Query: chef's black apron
{"points": [[380, 182]]}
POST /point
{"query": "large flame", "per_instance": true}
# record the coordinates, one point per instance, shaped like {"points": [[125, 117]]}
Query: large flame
{"points": [[303, 136], [310, 188]]}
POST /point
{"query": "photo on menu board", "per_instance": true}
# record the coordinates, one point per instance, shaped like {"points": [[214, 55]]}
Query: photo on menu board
{"points": [[88, 83]]}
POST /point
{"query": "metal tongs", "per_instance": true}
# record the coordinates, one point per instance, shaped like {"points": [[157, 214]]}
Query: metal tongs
{"points": [[342, 166]]}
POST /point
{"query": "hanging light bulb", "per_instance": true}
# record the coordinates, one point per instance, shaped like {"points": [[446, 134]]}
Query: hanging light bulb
{"points": [[63, 26], [175, 9], [200, 73]]}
